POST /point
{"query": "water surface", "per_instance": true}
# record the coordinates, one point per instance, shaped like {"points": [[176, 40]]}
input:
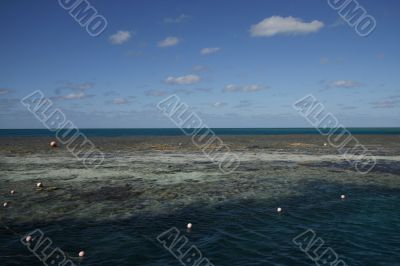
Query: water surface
{"points": [[148, 184]]}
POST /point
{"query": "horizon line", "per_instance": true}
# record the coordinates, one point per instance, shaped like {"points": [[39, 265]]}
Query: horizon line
{"points": [[364, 127]]}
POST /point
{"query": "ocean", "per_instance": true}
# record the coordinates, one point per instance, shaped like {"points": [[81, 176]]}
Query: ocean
{"points": [[153, 182], [115, 132]]}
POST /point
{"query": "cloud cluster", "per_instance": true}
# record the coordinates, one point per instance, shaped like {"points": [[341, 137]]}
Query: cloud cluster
{"points": [[75, 96], [191, 91], [77, 91], [284, 25], [120, 37], [391, 102], [4, 91], [76, 86], [209, 50], [247, 88], [169, 41], [183, 80], [159, 93], [345, 84]]}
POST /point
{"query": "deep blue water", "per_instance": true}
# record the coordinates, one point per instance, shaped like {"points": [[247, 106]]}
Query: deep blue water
{"points": [[114, 132], [363, 230]]}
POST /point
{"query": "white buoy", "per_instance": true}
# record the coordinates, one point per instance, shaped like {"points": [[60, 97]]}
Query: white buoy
{"points": [[81, 254], [53, 144], [342, 196], [39, 184], [279, 209], [28, 239], [189, 226], [5, 204], [12, 192]]}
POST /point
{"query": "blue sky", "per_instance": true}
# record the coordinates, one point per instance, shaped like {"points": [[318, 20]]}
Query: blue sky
{"points": [[235, 63]]}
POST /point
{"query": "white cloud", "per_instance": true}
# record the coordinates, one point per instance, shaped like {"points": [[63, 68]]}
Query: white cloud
{"points": [[78, 90], [76, 86], [169, 41], [183, 80], [345, 84], [191, 91], [247, 88], [219, 104], [84, 86], [176, 20], [120, 37], [284, 25], [74, 96], [391, 102], [4, 91], [209, 50], [120, 101], [232, 88], [253, 88]]}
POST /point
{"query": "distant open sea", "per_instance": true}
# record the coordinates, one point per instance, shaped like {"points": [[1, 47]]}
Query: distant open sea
{"points": [[116, 132]]}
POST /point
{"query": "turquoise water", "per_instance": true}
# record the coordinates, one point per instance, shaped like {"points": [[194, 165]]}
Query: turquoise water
{"points": [[149, 184]]}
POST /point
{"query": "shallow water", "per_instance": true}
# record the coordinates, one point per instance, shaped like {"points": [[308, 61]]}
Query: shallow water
{"points": [[149, 184]]}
